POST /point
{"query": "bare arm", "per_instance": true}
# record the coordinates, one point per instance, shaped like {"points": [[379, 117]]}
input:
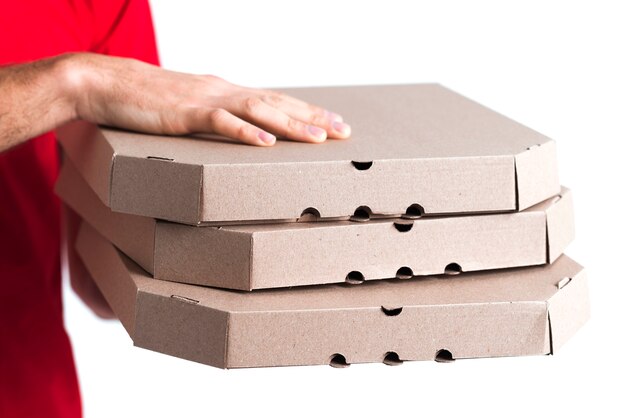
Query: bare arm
{"points": [[40, 96], [33, 100]]}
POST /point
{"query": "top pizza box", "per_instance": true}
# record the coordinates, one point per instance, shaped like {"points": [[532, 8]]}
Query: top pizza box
{"points": [[415, 150]]}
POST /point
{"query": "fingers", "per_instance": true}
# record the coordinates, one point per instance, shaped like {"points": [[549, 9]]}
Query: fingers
{"points": [[332, 123], [224, 123], [310, 114], [255, 116], [276, 121]]}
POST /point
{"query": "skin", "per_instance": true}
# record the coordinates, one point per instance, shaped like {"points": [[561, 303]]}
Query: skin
{"points": [[40, 96]]}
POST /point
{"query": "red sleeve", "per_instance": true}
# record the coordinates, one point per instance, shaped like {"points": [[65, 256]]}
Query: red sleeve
{"points": [[124, 28]]}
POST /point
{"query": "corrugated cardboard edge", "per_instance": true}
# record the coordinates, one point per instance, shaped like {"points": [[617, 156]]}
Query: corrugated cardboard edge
{"points": [[91, 154], [536, 174], [560, 225], [102, 261], [568, 309]]}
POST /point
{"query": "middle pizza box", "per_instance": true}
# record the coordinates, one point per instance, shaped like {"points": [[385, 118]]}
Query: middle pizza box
{"points": [[261, 256]]}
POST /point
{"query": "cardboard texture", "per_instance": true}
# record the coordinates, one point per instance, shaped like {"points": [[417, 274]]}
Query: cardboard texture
{"points": [[412, 146], [245, 257], [526, 311]]}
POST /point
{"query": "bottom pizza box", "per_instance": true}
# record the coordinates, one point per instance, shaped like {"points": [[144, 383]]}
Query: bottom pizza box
{"points": [[514, 312]]}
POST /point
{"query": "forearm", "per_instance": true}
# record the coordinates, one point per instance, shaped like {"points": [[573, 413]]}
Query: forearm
{"points": [[129, 94], [34, 98]]}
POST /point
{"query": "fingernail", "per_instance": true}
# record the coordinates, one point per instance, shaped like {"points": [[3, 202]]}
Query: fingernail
{"points": [[317, 132], [342, 128], [267, 138]]}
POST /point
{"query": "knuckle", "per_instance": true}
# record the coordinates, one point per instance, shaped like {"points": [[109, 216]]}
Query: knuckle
{"points": [[243, 131], [217, 116], [318, 119], [294, 125], [274, 99], [252, 104]]}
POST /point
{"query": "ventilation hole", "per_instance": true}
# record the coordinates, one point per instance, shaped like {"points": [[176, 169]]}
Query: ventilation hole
{"points": [[309, 215], [362, 165], [413, 212], [444, 356], [355, 277], [160, 158], [404, 273], [533, 146], [361, 214], [392, 359], [391, 311], [563, 282], [185, 299], [403, 226], [338, 360], [452, 269]]}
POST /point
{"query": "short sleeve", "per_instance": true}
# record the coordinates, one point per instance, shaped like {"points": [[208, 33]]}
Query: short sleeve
{"points": [[124, 28]]}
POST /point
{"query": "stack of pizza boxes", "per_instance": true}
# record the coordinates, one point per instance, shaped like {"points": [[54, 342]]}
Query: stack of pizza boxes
{"points": [[436, 232]]}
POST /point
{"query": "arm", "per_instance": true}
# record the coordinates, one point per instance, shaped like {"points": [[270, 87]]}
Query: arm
{"points": [[125, 93]]}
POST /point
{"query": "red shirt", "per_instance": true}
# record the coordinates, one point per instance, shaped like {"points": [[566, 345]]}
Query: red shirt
{"points": [[37, 375]]}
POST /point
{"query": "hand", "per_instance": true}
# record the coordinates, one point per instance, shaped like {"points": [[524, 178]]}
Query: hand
{"points": [[81, 281], [41, 96], [130, 94]]}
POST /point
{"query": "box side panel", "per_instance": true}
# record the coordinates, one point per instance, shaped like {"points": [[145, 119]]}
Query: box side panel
{"points": [[132, 234], [84, 144], [156, 188], [367, 335], [384, 250], [179, 327], [560, 225], [207, 256], [336, 189], [568, 309], [110, 274], [537, 174]]}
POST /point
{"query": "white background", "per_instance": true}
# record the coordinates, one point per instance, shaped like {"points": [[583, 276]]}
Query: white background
{"points": [[557, 67]]}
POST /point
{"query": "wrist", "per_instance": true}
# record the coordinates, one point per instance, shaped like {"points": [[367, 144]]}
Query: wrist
{"points": [[71, 82]]}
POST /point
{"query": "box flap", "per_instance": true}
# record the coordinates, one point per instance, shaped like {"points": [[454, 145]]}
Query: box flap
{"points": [[158, 187], [92, 155], [211, 256], [560, 224], [103, 260], [155, 313], [135, 235], [568, 309], [536, 174]]}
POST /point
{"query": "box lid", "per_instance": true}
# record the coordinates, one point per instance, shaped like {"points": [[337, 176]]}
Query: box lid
{"points": [[421, 146], [523, 311]]}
